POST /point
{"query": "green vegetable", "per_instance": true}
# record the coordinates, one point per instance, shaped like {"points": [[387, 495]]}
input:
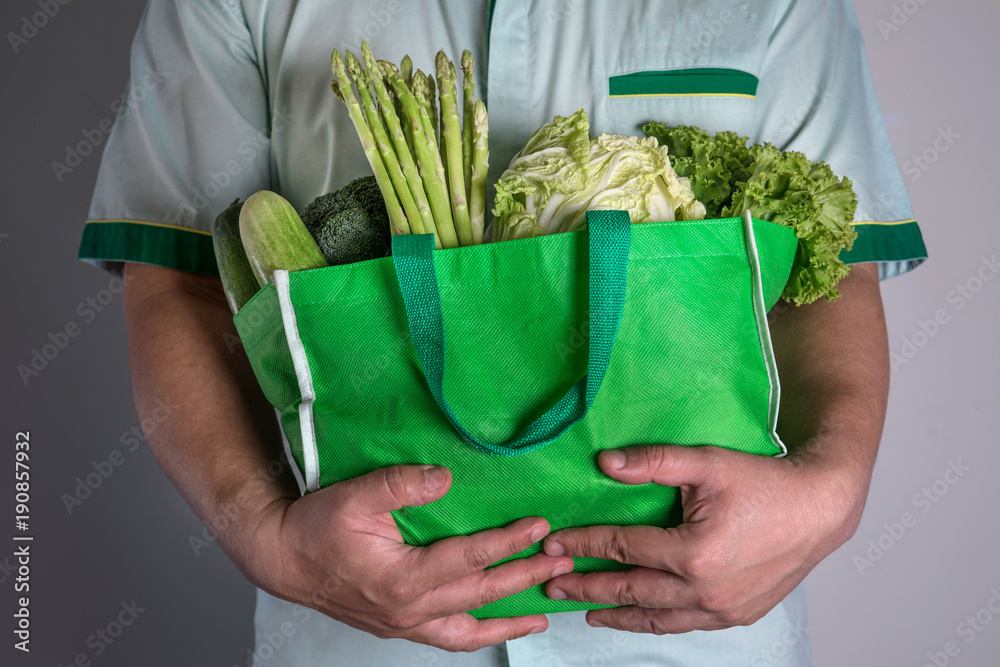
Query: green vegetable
{"points": [[432, 110], [385, 148], [562, 172], [421, 221], [430, 169], [787, 188], [345, 94], [480, 167], [468, 119], [714, 165], [275, 238], [378, 72], [416, 107], [238, 281], [405, 67], [453, 148], [351, 224], [423, 95]]}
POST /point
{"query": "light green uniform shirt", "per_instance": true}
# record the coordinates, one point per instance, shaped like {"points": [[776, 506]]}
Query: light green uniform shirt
{"points": [[228, 97]]}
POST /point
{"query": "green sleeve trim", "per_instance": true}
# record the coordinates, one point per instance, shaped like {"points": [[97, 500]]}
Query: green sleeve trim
{"points": [[886, 242], [701, 82], [174, 247]]}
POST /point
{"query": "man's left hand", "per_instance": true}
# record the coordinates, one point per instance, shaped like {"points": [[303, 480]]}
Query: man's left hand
{"points": [[753, 528]]}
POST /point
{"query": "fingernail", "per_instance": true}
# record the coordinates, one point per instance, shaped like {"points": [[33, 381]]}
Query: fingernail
{"points": [[597, 624], [557, 594], [538, 532], [535, 631], [554, 549], [562, 568], [615, 459], [434, 478]]}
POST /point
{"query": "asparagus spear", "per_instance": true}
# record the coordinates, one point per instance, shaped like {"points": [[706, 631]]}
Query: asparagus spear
{"points": [[425, 82], [469, 98], [423, 92], [453, 148], [406, 68], [414, 185], [480, 168], [444, 147], [392, 66], [385, 148], [335, 87], [386, 63], [397, 219], [420, 96], [428, 160], [427, 121]]}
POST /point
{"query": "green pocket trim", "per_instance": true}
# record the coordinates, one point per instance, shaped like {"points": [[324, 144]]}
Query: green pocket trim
{"points": [[886, 242], [489, 36], [149, 243], [703, 82]]}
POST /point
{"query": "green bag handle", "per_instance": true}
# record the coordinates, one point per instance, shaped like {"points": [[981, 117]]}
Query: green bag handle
{"points": [[609, 238]]}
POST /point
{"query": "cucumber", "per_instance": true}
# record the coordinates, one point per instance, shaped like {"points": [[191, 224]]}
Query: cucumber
{"points": [[238, 280], [274, 237]]}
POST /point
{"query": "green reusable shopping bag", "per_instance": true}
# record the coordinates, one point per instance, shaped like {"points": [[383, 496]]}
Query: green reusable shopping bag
{"points": [[515, 363]]}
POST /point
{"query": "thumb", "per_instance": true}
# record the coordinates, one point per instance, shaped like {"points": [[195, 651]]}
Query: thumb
{"points": [[666, 465], [395, 487]]}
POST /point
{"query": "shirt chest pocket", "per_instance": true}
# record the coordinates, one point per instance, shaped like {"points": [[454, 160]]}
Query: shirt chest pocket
{"points": [[712, 97], [681, 63]]}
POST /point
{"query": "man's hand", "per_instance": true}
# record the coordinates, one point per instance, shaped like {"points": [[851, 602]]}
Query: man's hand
{"points": [[753, 526], [338, 550]]}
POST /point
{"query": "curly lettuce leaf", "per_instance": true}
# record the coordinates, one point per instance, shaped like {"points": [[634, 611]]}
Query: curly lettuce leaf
{"points": [[791, 190], [714, 165]]}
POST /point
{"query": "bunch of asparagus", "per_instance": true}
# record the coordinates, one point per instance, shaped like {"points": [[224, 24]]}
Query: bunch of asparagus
{"points": [[431, 169]]}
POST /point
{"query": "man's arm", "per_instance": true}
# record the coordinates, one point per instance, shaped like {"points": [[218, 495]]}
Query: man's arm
{"points": [[833, 362], [754, 526], [338, 549], [217, 445]]}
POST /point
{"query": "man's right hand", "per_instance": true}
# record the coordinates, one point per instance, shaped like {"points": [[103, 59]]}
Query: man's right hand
{"points": [[338, 550]]}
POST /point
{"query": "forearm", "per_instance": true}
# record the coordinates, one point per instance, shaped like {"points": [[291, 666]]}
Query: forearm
{"points": [[216, 446], [833, 362]]}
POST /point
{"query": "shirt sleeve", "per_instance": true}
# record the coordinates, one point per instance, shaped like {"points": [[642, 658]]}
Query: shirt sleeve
{"points": [[816, 96], [191, 135]]}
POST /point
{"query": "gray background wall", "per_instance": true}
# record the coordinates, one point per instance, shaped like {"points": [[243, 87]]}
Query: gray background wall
{"points": [[893, 595]]}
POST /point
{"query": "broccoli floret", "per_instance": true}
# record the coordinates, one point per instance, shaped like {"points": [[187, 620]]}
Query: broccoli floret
{"points": [[351, 224]]}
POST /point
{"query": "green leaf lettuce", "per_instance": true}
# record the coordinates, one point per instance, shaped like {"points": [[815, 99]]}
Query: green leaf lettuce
{"points": [[783, 187]]}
